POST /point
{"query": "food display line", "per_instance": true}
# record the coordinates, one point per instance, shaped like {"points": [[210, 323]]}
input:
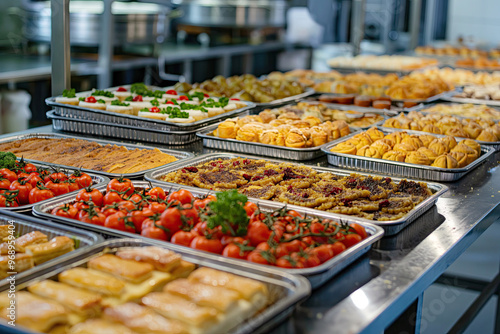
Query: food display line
{"points": [[376, 289]]}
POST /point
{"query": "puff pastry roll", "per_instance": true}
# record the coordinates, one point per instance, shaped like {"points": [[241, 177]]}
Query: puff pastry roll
{"points": [[161, 259], [204, 295], [253, 291], [80, 301], [23, 262], [34, 312], [28, 239], [94, 326], [93, 280], [132, 271], [179, 308], [47, 251], [4, 231], [143, 320], [183, 270]]}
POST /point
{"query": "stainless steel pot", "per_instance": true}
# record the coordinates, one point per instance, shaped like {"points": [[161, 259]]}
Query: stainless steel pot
{"points": [[233, 13], [135, 23]]}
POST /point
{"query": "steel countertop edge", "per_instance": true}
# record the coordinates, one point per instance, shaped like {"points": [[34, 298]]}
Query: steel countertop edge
{"points": [[466, 211]]}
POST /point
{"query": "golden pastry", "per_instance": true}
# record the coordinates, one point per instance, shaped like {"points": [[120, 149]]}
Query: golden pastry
{"points": [[289, 116], [461, 158], [428, 152], [414, 141], [374, 152], [375, 134], [432, 129], [470, 152], [361, 140], [284, 129], [394, 156], [266, 116], [496, 130], [344, 148], [473, 129], [162, 259], [272, 137], [312, 120], [395, 137], [278, 122], [385, 141], [227, 129], [249, 132], [301, 124], [133, 271], [472, 144], [445, 161], [93, 326], [426, 139], [342, 126], [449, 141], [457, 132], [318, 136], [57, 246], [248, 119], [439, 147], [415, 126], [362, 150], [381, 147], [331, 131], [295, 139], [487, 135], [392, 123], [404, 148], [93, 280], [417, 158]]}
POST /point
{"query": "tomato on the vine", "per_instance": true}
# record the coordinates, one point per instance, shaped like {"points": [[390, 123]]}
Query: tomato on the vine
{"points": [[250, 208], [121, 185], [24, 188], [359, 230], [57, 187], [157, 207], [34, 178], [351, 239], [258, 232], [137, 216], [29, 168], [40, 193], [201, 203], [8, 174], [4, 183], [156, 193], [67, 211], [9, 199], [259, 256], [208, 245], [182, 196], [337, 247], [152, 229], [111, 197], [171, 219], [183, 238], [236, 250], [83, 180], [87, 194]]}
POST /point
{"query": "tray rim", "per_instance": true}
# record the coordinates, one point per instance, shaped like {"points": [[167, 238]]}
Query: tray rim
{"points": [[376, 231], [439, 187], [473, 101], [180, 155], [296, 285], [307, 92], [346, 107]]}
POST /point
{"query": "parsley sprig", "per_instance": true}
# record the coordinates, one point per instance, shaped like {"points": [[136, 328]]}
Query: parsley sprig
{"points": [[228, 212]]}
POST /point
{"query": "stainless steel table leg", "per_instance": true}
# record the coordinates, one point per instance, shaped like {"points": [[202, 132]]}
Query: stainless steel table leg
{"points": [[60, 48], [409, 321], [106, 46]]}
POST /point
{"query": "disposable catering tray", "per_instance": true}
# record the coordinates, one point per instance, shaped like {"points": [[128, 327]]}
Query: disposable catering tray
{"points": [[276, 103], [452, 98], [493, 144], [390, 227], [317, 275], [404, 169], [118, 131], [24, 224], [178, 154], [96, 180], [285, 290], [274, 151], [95, 115]]}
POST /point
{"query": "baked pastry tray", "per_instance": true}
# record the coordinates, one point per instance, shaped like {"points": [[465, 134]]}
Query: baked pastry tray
{"points": [[89, 114], [402, 169], [113, 130], [473, 101], [285, 290], [494, 144], [316, 275], [96, 180], [24, 224], [178, 154], [274, 151], [390, 227]]}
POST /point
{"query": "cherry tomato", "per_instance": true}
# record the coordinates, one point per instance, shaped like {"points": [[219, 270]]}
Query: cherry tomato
{"points": [[72, 186], [183, 98], [121, 89], [189, 215], [118, 221], [171, 220], [8, 199], [202, 229], [250, 208], [111, 197], [57, 187], [155, 232], [183, 238], [29, 168], [156, 193], [201, 203], [154, 109], [90, 99], [86, 194], [337, 248], [208, 245], [359, 230], [157, 207], [259, 256], [8, 174], [67, 211], [94, 218], [351, 240], [110, 209], [170, 102], [83, 180], [183, 196], [312, 260], [121, 185], [40, 193], [258, 232], [323, 252], [171, 92], [126, 206], [4, 183], [138, 216], [137, 98], [34, 178], [227, 239], [24, 188], [56, 176], [235, 251], [80, 205]]}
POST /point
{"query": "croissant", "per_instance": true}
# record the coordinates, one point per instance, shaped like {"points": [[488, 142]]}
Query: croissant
{"points": [[227, 129], [428, 152], [472, 144], [470, 152], [487, 135], [375, 134], [413, 141], [272, 137], [461, 158], [295, 139], [394, 156], [432, 129], [439, 147], [345, 148], [284, 129], [426, 139], [445, 161], [404, 148], [415, 126], [417, 158]]}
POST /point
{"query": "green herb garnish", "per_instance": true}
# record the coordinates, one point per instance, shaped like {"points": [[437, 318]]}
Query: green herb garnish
{"points": [[69, 93], [7, 160], [129, 99], [155, 102], [104, 93], [119, 103], [139, 88], [101, 101], [81, 99], [228, 211]]}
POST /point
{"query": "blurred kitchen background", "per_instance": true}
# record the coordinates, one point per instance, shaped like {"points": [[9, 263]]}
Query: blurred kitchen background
{"points": [[162, 41]]}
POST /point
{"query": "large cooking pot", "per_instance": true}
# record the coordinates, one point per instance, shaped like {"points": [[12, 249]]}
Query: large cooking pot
{"points": [[233, 13], [135, 23]]}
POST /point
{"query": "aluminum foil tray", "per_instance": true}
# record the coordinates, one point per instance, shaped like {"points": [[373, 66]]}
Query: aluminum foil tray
{"points": [[317, 275], [473, 101], [80, 113], [24, 224], [390, 227], [403, 169], [285, 290], [178, 154], [96, 179], [279, 102], [274, 151]]}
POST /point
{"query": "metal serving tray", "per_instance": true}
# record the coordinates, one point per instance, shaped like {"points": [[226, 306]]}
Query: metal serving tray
{"points": [[317, 275], [404, 169], [274, 151], [95, 115], [178, 154], [286, 290], [276, 103], [390, 227], [96, 180], [119, 131], [25, 224], [421, 107], [473, 101]]}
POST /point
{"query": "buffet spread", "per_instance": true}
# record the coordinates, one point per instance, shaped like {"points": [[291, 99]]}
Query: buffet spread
{"points": [[230, 241]]}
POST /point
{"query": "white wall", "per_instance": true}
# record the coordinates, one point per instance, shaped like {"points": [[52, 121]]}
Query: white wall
{"points": [[479, 19]]}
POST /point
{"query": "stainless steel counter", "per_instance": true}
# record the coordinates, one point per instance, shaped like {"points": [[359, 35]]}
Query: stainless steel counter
{"points": [[371, 293]]}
